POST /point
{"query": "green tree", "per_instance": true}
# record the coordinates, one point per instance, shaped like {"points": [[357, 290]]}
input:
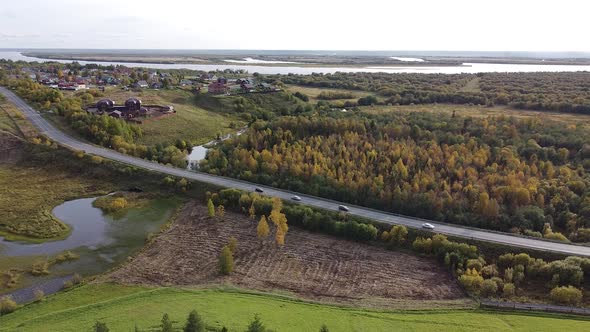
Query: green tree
{"points": [[194, 323], [256, 325], [100, 327], [398, 234], [324, 328], [211, 208], [166, 325], [226, 261]]}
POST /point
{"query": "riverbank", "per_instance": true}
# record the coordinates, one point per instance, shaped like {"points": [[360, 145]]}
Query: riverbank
{"points": [[331, 68]]}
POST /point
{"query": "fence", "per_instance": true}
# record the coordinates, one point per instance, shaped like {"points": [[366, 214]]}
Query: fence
{"points": [[536, 307]]}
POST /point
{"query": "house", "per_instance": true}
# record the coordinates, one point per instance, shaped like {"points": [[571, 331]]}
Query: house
{"points": [[217, 88], [140, 85], [247, 87], [116, 114], [186, 82], [156, 85], [209, 77]]}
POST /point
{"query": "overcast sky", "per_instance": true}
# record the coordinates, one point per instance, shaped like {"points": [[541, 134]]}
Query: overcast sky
{"points": [[492, 25]]}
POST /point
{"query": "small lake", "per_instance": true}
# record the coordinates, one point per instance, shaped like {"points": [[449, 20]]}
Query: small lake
{"points": [[101, 240], [464, 68]]}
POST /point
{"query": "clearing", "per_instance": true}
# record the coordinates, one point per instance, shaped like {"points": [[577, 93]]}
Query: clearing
{"points": [[191, 123], [313, 92], [123, 308], [481, 111], [311, 266]]}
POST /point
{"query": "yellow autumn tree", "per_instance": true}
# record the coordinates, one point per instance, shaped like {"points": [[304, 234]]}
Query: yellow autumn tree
{"points": [[279, 220], [262, 230]]}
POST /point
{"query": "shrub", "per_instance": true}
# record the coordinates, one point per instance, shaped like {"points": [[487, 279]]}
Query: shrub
{"points": [[508, 290], [100, 327], [566, 295], [556, 236], [488, 288], [471, 281], [490, 271], [40, 268], [7, 305], [39, 295], [226, 261]]}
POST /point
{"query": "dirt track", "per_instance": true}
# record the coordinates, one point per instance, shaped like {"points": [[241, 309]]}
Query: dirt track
{"points": [[310, 265]]}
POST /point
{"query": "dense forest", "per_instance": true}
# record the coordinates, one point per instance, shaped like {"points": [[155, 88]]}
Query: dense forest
{"points": [[562, 92], [503, 173]]}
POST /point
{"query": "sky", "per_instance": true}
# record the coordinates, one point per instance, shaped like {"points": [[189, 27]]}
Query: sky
{"points": [[456, 25]]}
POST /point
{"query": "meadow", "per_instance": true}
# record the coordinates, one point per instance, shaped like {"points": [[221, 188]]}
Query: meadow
{"points": [[123, 308], [191, 122]]}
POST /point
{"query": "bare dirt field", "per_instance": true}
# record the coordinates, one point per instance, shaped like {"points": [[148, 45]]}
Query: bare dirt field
{"points": [[310, 266]]}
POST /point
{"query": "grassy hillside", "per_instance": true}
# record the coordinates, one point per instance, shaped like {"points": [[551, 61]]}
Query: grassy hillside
{"points": [[191, 123], [123, 307]]}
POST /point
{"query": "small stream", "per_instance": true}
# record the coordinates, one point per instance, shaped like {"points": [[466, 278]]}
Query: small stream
{"points": [[199, 152], [101, 240]]}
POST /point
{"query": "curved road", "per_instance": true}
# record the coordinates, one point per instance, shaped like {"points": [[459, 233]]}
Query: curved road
{"points": [[464, 232]]}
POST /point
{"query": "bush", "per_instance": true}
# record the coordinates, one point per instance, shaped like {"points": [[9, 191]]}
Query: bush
{"points": [[566, 295], [226, 261], [7, 305], [508, 290], [471, 281], [39, 295], [100, 327], [488, 288]]}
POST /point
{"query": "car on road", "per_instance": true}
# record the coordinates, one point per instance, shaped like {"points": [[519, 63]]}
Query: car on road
{"points": [[258, 190], [296, 198], [343, 208], [427, 225]]}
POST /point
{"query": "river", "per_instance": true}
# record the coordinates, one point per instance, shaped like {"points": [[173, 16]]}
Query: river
{"points": [[101, 241], [465, 68]]}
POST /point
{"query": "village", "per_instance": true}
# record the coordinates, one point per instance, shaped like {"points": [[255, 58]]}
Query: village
{"points": [[138, 79]]}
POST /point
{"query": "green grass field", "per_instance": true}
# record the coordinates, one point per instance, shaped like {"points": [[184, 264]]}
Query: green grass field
{"points": [[124, 307], [313, 92], [480, 111]]}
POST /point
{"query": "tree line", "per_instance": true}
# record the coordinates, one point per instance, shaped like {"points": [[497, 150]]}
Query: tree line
{"points": [[560, 92], [520, 175]]}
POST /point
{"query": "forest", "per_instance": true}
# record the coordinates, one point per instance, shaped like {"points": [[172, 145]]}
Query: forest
{"points": [[525, 176], [559, 92]]}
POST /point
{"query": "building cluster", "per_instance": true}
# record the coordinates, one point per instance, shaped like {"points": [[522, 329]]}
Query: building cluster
{"points": [[221, 85], [132, 109], [129, 78]]}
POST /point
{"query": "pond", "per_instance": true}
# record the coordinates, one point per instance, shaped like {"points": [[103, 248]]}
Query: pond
{"points": [[101, 240], [199, 152]]}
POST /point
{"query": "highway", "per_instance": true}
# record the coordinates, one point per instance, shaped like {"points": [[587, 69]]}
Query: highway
{"points": [[468, 233]]}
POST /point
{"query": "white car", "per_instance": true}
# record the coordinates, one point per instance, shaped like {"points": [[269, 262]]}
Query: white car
{"points": [[427, 226], [296, 198], [343, 208]]}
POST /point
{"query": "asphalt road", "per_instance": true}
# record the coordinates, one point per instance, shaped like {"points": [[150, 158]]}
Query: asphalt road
{"points": [[468, 233]]}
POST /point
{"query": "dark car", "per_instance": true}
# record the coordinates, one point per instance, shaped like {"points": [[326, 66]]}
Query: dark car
{"points": [[258, 190], [343, 208]]}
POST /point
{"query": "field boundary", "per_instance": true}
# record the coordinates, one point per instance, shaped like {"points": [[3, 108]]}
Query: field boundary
{"points": [[535, 307]]}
